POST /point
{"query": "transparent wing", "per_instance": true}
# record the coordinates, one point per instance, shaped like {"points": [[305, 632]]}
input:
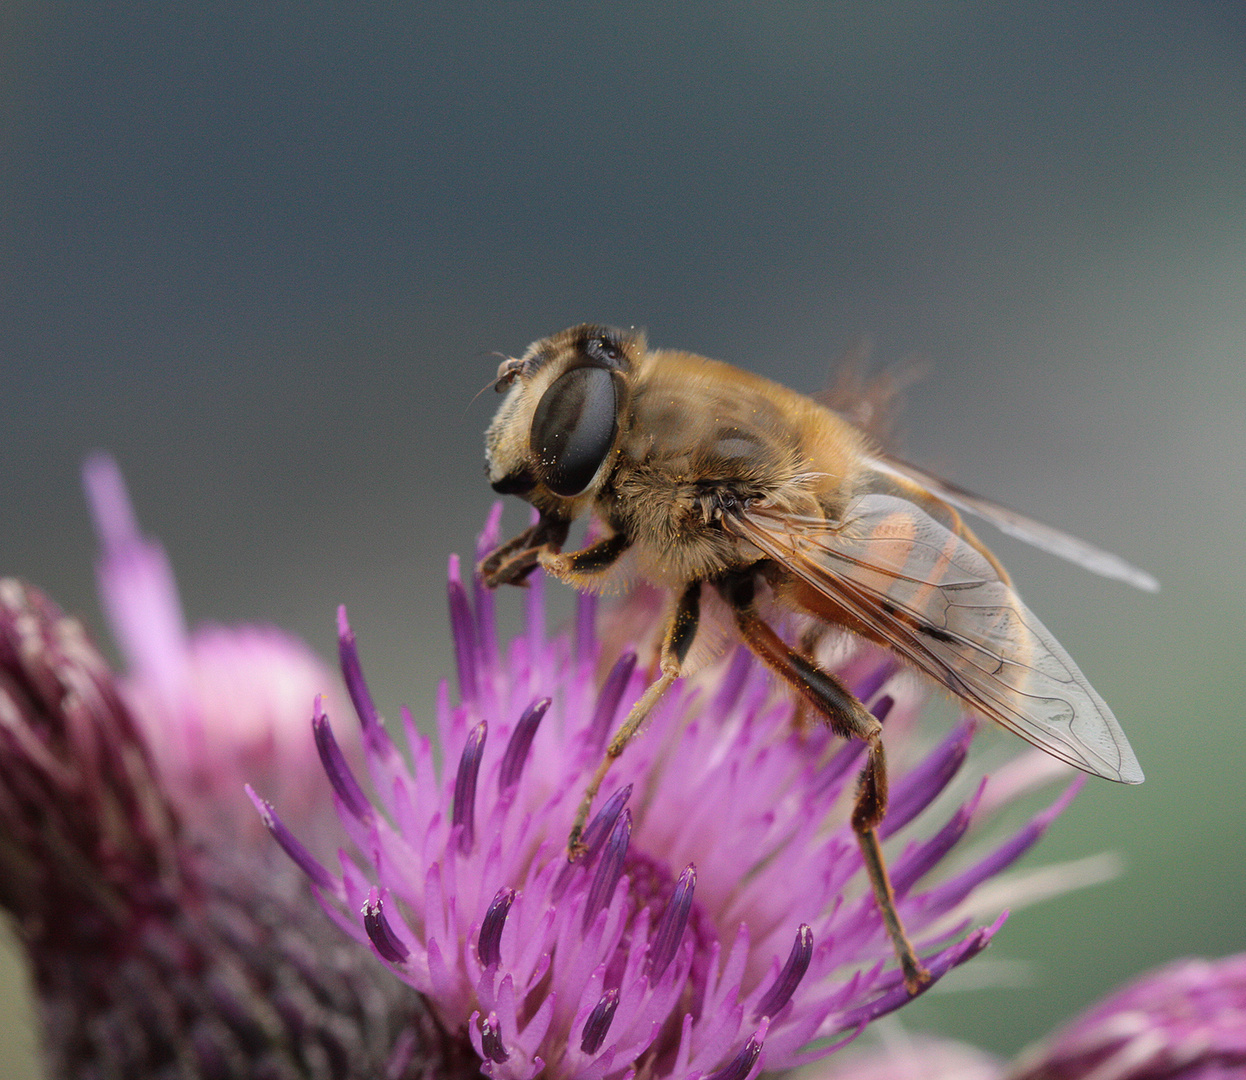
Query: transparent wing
{"points": [[1016, 524], [934, 598]]}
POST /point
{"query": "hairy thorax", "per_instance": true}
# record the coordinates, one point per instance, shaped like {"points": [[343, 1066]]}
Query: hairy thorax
{"points": [[701, 438]]}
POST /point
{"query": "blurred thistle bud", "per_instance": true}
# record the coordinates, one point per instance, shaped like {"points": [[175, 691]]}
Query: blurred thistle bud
{"points": [[218, 705], [1186, 1021], [163, 939]]}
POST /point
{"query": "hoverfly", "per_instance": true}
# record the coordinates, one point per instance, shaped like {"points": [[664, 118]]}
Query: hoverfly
{"points": [[706, 477]]}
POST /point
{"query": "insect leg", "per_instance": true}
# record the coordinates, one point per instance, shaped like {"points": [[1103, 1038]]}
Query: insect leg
{"points": [[577, 568], [811, 637], [513, 561], [847, 717], [680, 633]]}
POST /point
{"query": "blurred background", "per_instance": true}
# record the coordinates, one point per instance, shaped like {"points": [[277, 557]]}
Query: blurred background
{"points": [[263, 253]]}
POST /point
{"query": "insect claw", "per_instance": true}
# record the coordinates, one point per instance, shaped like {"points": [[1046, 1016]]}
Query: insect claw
{"points": [[916, 979]]}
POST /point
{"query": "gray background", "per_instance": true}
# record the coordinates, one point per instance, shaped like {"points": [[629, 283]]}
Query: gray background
{"points": [[262, 253]]}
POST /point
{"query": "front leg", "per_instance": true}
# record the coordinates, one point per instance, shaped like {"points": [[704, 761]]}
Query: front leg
{"points": [[512, 562], [579, 568]]}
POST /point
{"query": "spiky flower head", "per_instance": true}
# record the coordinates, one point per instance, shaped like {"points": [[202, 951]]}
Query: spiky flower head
{"points": [[1186, 1021], [163, 938], [720, 922]]}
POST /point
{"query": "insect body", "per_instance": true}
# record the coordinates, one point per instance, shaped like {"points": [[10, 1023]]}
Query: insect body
{"points": [[704, 476]]}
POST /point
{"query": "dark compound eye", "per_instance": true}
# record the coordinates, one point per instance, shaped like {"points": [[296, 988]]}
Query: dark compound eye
{"points": [[573, 428]]}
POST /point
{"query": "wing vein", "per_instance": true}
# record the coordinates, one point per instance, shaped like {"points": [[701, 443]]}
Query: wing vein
{"points": [[934, 599]]}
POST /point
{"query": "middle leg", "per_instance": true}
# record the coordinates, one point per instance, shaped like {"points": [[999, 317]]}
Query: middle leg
{"points": [[681, 631]]}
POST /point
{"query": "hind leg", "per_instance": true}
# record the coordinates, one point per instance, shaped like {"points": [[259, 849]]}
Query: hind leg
{"points": [[848, 718]]}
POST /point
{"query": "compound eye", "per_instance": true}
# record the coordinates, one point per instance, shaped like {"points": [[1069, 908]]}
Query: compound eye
{"points": [[573, 428]]}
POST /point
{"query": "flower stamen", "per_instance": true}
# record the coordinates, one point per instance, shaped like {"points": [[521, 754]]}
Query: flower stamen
{"points": [[741, 1065], [672, 924], [608, 699], [516, 756], [463, 815], [489, 945], [352, 674], [292, 846], [380, 932], [345, 786], [925, 857], [914, 792], [789, 978], [609, 870], [603, 824], [950, 893], [597, 1026], [491, 1040]]}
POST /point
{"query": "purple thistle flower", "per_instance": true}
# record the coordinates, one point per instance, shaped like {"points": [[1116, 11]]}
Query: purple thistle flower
{"points": [[163, 937], [720, 922], [218, 706], [1186, 1021], [159, 944]]}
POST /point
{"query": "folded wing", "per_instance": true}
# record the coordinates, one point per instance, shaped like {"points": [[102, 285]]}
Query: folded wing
{"points": [[938, 602], [1010, 521]]}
